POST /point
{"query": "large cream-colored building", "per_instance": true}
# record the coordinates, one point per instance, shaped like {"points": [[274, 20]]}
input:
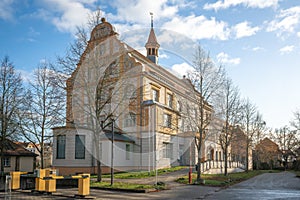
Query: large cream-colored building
{"points": [[147, 105]]}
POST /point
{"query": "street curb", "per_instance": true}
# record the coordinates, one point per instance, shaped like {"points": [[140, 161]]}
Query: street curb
{"points": [[127, 190]]}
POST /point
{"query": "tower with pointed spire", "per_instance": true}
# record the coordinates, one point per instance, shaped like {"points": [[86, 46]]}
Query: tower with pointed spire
{"points": [[152, 45]]}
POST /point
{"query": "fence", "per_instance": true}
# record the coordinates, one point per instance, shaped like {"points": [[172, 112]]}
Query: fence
{"points": [[214, 164]]}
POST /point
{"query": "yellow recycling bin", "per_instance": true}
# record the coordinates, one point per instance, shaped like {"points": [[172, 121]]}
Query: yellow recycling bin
{"points": [[39, 182], [84, 185], [50, 185], [15, 180]]}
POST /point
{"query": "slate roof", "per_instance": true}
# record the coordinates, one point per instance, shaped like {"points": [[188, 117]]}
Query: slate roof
{"points": [[117, 137]]}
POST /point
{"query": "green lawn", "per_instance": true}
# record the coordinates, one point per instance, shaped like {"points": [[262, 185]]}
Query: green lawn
{"points": [[143, 174], [221, 180], [127, 186]]}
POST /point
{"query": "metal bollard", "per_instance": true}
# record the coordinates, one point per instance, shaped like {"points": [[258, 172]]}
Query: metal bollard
{"points": [[7, 188]]}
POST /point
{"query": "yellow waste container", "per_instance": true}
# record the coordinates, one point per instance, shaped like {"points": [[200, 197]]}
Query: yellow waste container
{"points": [[50, 185], [15, 180], [84, 185], [39, 182]]}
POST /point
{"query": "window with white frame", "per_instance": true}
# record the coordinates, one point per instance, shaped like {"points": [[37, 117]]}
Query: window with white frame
{"points": [[170, 100], [167, 120], [179, 107], [182, 124], [128, 149], [6, 161], [155, 95], [167, 150]]}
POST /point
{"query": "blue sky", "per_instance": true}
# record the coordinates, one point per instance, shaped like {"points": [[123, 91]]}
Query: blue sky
{"points": [[258, 41]]}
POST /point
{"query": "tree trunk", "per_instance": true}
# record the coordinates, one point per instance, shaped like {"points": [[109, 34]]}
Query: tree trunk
{"points": [[198, 164], [247, 157], [225, 161], [2, 156], [199, 180], [99, 171]]}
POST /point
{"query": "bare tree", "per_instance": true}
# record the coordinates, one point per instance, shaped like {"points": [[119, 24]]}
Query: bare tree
{"points": [[248, 125], [43, 108], [11, 97], [230, 107], [260, 130], [207, 80], [67, 63], [295, 124], [287, 141]]}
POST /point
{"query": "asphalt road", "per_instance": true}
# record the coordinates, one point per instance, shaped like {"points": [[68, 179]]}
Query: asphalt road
{"points": [[269, 186]]}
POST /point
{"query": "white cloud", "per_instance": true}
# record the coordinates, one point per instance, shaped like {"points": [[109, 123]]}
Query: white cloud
{"points": [[199, 27], [298, 34], [224, 4], [287, 49], [285, 21], [6, 9], [182, 69], [137, 11], [244, 30], [68, 14], [224, 58], [163, 55], [257, 48], [26, 75]]}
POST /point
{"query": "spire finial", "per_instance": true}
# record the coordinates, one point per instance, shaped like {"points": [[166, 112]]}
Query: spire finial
{"points": [[151, 14]]}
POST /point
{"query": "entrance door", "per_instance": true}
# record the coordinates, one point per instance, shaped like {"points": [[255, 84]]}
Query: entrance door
{"points": [[212, 154]]}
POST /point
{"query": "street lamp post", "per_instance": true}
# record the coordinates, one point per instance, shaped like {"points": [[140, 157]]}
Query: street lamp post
{"points": [[112, 152]]}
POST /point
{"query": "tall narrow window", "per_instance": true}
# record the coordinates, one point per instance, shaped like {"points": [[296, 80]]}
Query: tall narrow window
{"points": [[170, 100], [155, 95], [79, 146], [61, 147], [127, 151], [167, 120], [167, 150], [179, 106]]}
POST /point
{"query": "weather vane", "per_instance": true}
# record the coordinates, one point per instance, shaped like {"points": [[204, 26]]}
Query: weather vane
{"points": [[151, 14]]}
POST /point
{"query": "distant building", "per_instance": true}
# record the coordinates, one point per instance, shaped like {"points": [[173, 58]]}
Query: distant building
{"points": [[267, 154], [35, 149], [238, 148], [17, 158]]}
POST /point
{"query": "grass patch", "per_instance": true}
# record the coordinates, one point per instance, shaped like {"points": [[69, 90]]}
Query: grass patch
{"points": [[297, 173], [221, 180], [128, 186], [143, 174]]}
